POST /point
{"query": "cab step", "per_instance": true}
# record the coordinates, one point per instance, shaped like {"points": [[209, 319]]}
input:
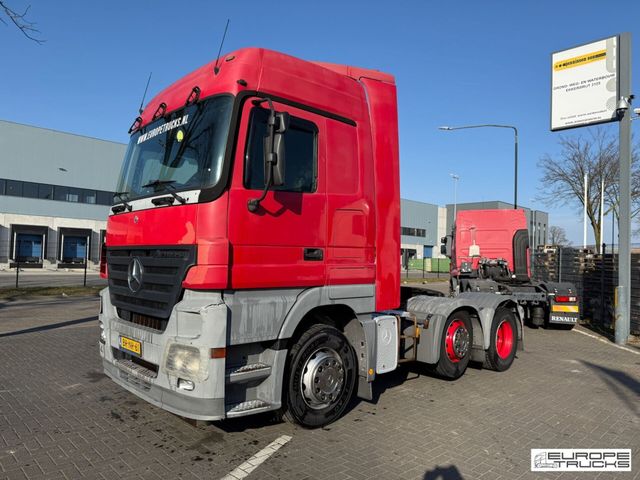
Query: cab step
{"points": [[248, 373], [248, 407]]}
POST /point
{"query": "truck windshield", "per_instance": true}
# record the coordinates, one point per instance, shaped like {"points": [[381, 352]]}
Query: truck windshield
{"points": [[183, 150]]}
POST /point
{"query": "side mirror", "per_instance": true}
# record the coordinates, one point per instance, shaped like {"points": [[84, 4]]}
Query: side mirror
{"points": [[276, 159], [277, 174], [282, 122], [282, 125], [445, 248], [274, 152]]}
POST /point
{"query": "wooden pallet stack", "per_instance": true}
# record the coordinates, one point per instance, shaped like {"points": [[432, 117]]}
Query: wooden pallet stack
{"points": [[595, 278]]}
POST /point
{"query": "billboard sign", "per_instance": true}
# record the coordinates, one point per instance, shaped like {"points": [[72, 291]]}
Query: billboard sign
{"points": [[584, 84]]}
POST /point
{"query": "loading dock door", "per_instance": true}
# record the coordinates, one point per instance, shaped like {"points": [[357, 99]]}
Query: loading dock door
{"points": [[74, 249], [29, 248]]}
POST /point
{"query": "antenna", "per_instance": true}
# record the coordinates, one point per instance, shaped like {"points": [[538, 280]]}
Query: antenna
{"points": [[216, 69], [144, 94]]}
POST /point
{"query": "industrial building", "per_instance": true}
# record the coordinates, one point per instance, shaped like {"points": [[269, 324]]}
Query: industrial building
{"points": [[422, 226], [537, 221], [55, 192]]}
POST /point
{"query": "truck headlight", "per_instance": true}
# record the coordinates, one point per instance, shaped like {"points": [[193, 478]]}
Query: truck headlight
{"points": [[186, 361], [103, 335]]}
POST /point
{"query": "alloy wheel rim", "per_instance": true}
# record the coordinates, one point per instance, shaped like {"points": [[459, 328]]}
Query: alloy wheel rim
{"points": [[504, 339], [323, 378], [457, 341]]}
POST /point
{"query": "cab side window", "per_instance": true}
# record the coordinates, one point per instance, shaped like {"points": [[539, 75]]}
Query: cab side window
{"points": [[301, 154]]}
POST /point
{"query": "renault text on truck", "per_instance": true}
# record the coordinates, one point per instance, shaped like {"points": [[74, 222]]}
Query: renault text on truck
{"points": [[252, 250]]}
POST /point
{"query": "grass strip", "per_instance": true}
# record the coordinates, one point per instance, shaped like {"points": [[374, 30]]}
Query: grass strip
{"points": [[11, 293]]}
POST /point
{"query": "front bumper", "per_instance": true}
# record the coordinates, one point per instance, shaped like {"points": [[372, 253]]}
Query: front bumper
{"points": [[200, 321]]}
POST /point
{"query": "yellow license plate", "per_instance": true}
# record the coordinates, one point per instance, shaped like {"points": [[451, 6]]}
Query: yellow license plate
{"points": [[131, 345], [565, 308]]}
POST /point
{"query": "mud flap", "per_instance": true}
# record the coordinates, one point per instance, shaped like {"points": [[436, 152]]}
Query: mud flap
{"points": [[365, 388], [521, 328], [361, 333]]}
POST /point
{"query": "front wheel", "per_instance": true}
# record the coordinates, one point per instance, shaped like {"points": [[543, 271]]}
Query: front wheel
{"points": [[455, 345], [322, 375], [502, 349]]}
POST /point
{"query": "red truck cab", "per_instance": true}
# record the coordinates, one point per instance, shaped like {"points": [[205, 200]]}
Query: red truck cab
{"points": [[335, 113], [500, 236]]}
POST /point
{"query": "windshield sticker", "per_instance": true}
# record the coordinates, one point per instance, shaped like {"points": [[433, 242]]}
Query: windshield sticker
{"points": [[180, 135], [178, 122]]}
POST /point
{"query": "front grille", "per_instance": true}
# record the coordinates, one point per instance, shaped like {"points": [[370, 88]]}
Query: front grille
{"points": [[153, 323], [163, 270]]}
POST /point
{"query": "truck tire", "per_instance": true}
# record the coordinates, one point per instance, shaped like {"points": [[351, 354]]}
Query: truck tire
{"points": [[322, 371], [455, 345], [502, 350]]}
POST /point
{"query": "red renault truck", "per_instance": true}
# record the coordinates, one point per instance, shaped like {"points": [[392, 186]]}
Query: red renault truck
{"points": [[252, 249], [489, 251]]}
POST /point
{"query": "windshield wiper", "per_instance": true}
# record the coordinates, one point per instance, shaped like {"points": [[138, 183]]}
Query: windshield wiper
{"points": [[158, 183], [125, 205], [168, 184]]}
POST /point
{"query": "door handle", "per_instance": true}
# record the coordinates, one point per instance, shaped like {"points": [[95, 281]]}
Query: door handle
{"points": [[313, 254]]}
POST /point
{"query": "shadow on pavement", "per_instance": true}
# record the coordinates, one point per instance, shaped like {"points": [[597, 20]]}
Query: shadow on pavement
{"points": [[615, 379], [51, 326], [393, 379], [240, 424], [443, 473], [382, 383]]}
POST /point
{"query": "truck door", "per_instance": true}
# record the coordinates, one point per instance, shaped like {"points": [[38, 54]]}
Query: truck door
{"points": [[283, 243]]}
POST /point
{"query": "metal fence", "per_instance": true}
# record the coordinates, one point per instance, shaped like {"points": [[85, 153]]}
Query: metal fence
{"points": [[595, 277], [423, 268]]}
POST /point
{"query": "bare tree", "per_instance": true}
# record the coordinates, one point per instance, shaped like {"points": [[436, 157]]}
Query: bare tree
{"points": [[558, 236], [595, 155], [27, 27]]}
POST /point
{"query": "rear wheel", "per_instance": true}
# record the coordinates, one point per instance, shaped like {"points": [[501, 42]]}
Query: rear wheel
{"points": [[502, 349], [322, 375], [455, 346]]}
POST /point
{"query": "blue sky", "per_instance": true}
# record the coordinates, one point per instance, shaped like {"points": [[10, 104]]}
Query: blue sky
{"points": [[455, 63]]}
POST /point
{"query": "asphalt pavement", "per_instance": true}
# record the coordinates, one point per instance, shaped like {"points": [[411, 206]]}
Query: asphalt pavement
{"points": [[62, 418]]}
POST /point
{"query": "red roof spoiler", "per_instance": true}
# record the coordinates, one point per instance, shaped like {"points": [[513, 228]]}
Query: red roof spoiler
{"points": [[357, 73]]}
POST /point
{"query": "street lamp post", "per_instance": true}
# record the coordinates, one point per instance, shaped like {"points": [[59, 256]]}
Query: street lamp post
{"points": [[455, 194], [515, 131]]}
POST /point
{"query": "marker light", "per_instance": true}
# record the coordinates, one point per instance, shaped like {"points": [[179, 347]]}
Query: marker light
{"points": [[565, 299]]}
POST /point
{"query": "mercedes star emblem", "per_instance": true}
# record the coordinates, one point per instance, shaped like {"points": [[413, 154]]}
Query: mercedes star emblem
{"points": [[134, 274]]}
